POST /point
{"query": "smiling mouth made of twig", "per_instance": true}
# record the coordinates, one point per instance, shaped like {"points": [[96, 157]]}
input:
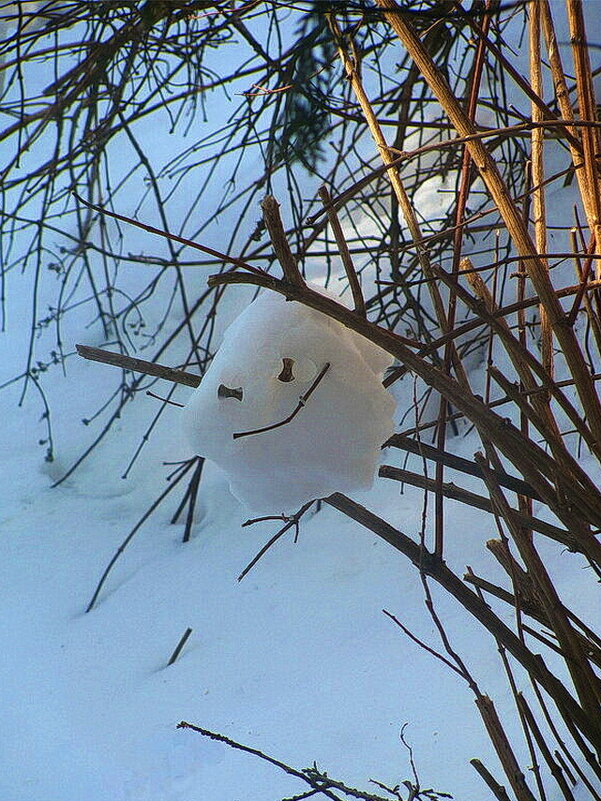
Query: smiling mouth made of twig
{"points": [[301, 402]]}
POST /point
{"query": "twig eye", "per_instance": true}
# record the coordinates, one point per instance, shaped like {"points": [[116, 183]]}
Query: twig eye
{"points": [[228, 392], [286, 375]]}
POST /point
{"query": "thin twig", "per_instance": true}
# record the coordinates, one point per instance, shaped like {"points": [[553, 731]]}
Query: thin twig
{"points": [[183, 470], [221, 738], [240, 263], [291, 522], [423, 645]]}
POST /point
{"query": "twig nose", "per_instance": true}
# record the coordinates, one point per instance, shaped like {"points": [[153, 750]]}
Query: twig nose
{"points": [[228, 392]]}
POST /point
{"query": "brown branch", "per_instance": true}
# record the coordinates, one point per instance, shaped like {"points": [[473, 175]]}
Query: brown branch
{"points": [[457, 463], [350, 60], [138, 365], [503, 748], [585, 681], [275, 228], [587, 108], [344, 251], [455, 493], [499, 792], [517, 229], [538, 177], [555, 769], [433, 566]]}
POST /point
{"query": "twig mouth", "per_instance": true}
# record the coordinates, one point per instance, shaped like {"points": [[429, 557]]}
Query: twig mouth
{"points": [[301, 402]]}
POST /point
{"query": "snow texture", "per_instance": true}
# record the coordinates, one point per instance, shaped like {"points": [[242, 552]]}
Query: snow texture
{"points": [[271, 356]]}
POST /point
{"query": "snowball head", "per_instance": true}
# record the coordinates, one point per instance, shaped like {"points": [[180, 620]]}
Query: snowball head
{"points": [[270, 357]]}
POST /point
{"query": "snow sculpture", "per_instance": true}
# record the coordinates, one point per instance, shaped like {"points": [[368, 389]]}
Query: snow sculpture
{"points": [[279, 361]]}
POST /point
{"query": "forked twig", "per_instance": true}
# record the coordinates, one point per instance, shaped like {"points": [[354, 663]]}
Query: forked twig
{"points": [[291, 522]]}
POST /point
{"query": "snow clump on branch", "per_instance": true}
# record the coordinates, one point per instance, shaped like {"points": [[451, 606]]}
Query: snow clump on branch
{"points": [[292, 406]]}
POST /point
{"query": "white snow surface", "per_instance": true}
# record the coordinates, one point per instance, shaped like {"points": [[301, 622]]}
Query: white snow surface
{"points": [[271, 356]]}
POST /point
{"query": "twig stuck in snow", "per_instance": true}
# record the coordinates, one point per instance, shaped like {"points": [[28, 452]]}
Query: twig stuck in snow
{"points": [[179, 646]]}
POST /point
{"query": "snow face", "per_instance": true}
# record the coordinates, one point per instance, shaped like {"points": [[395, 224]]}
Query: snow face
{"points": [[271, 356]]}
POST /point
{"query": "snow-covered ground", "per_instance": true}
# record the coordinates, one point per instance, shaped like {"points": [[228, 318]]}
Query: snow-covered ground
{"points": [[297, 659]]}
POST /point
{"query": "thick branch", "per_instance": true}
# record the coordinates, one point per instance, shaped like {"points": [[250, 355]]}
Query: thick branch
{"points": [[344, 251], [435, 567], [406, 443], [455, 493], [275, 228]]}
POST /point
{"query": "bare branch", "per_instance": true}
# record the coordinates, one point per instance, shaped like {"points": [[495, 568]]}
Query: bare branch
{"points": [[138, 365]]}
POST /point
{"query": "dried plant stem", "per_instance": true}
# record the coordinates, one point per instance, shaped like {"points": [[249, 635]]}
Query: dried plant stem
{"points": [[255, 752], [511, 215], [457, 463], [499, 792], [351, 66], [583, 296], [491, 319], [522, 359], [567, 112], [178, 648], [503, 748], [182, 472], [588, 686], [538, 178], [554, 767], [173, 237], [519, 355], [435, 567], [456, 493], [588, 111]]}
